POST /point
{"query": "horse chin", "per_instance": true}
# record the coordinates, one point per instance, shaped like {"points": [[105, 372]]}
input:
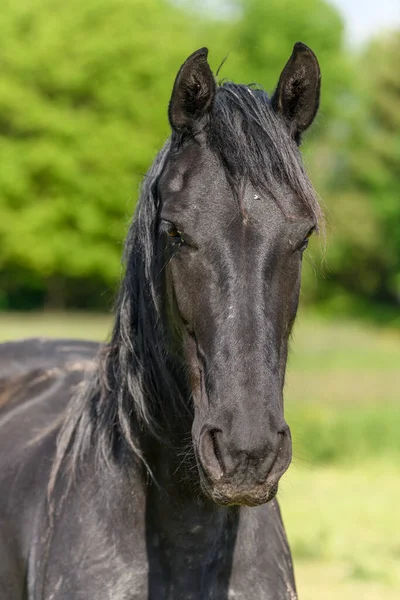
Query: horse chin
{"points": [[226, 494]]}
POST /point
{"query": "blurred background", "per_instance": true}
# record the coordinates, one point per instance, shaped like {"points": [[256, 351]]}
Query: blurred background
{"points": [[84, 88]]}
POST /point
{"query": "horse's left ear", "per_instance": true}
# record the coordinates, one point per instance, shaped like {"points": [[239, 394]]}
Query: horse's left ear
{"points": [[298, 92], [193, 93]]}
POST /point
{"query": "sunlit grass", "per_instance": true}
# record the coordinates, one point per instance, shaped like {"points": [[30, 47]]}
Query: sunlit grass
{"points": [[341, 527], [331, 581], [344, 433], [89, 326], [322, 345]]}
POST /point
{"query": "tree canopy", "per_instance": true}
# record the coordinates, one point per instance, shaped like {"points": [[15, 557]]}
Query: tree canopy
{"points": [[361, 181], [84, 88]]}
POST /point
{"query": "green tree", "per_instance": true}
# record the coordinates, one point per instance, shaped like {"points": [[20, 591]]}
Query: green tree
{"points": [[263, 34], [84, 88], [362, 181]]}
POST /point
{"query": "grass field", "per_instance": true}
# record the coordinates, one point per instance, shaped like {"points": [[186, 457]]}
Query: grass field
{"points": [[341, 524], [341, 495]]}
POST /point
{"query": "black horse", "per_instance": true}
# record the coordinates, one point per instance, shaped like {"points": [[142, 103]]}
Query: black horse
{"points": [[147, 468]]}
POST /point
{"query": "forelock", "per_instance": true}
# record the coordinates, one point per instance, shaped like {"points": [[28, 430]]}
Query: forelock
{"points": [[254, 144]]}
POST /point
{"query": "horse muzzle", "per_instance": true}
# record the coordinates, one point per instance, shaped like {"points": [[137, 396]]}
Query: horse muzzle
{"points": [[247, 475]]}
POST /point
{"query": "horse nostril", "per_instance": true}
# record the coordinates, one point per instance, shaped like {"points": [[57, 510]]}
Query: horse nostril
{"points": [[281, 438], [210, 453], [283, 433], [283, 454]]}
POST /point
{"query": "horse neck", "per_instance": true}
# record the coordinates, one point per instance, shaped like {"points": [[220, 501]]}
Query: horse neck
{"points": [[182, 523]]}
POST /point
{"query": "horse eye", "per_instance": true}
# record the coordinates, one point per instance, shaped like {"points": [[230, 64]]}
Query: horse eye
{"points": [[173, 233], [306, 239], [304, 245]]}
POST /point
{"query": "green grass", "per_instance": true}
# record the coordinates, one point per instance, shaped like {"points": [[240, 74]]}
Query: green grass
{"points": [[341, 524], [324, 435], [340, 496], [343, 392], [89, 326], [324, 346]]}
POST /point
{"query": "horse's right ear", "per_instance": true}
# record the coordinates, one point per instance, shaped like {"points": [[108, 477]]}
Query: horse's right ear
{"points": [[193, 93]]}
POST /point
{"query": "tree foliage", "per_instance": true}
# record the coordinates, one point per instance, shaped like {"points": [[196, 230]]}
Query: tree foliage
{"points": [[84, 88], [361, 182]]}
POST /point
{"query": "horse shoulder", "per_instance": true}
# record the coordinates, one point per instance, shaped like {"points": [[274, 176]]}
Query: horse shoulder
{"points": [[37, 378]]}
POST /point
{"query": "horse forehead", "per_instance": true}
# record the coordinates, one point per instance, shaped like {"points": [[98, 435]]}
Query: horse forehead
{"points": [[195, 183], [209, 201], [197, 188], [192, 166]]}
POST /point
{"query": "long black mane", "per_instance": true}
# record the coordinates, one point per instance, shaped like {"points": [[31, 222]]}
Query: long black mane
{"points": [[137, 386]]}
